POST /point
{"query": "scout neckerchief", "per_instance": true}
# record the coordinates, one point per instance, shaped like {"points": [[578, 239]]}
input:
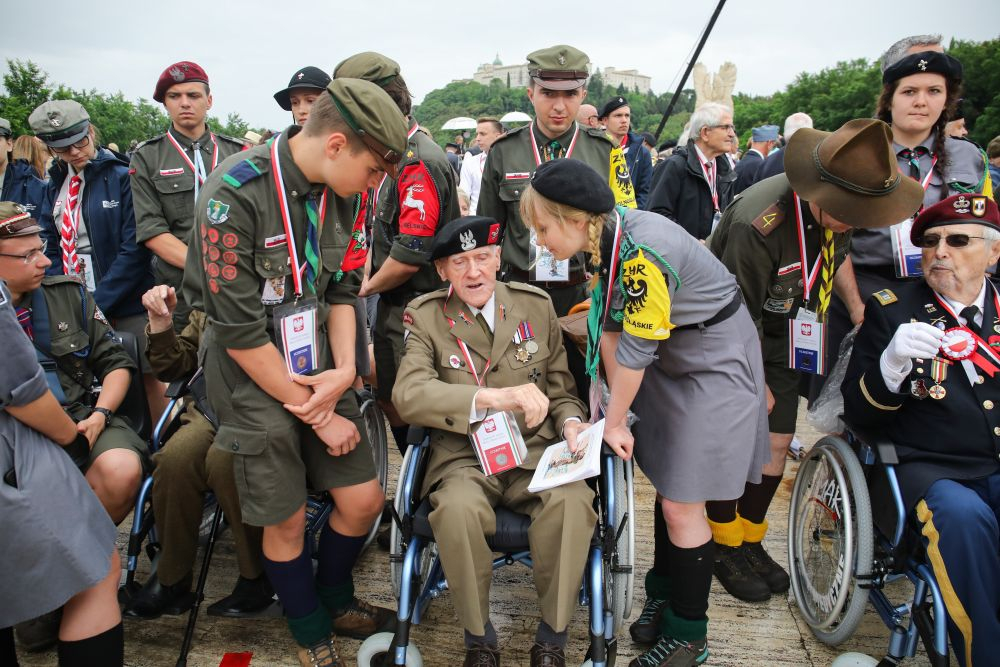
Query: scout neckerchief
{"points": [[808, 279], [357, 247], [70, 225], [534, 143], [480, 377], [197, 167], [315, 218], [961, 343]]}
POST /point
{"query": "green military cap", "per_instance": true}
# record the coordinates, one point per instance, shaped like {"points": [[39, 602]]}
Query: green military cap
{"points": [[559, 67], [60, 123], [368, 65], [372, 114], [5, 128], [16, 221]]}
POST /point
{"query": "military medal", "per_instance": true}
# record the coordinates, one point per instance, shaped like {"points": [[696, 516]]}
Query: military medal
{"points": [[937, 392], [522, 355], [939, 371], [531, 346], [525, 334]]}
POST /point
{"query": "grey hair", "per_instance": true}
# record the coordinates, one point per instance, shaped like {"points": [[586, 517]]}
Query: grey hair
{"points": [[991, 235], [796, 122], [896, 52], [707, 114]]}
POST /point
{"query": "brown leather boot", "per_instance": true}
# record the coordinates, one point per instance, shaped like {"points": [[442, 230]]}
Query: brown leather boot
{"points": [[482, 655], [361, 620]]}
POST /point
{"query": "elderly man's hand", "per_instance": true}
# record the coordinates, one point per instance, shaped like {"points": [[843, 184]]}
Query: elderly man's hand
{"points": [[913, 340], [160, 302], [526, 398]]}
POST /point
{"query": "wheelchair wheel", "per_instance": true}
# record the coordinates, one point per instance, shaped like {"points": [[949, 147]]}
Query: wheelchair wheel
{"points": [[830, 540], [374, 420], [621, 582], [374, 652]]}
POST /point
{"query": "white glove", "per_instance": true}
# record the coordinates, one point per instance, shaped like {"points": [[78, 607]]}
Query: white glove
{"points": [[913, 340]]}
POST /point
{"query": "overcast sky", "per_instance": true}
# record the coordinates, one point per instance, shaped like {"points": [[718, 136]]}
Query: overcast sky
{"points": [[251, 48]]}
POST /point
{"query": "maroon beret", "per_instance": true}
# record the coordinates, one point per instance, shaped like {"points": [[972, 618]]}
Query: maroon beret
{"points": [[183, 72], [959, 209]]}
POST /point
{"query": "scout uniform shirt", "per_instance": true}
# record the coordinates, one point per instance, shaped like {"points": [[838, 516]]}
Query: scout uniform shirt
{"points": [[239, 256], [411, 209], [511, 161], [163, 194]]}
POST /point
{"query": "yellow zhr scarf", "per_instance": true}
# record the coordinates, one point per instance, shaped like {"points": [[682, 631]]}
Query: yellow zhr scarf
{"points": [[619, 179], [647, 301]]}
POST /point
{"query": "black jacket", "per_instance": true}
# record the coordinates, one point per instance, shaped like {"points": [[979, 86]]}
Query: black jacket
{"points": [[956, 437], [22, 185], [681, 193], [748, 170]]}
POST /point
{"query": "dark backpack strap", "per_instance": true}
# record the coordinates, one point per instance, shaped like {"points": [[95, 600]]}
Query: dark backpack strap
{"points": [[43, 344]]}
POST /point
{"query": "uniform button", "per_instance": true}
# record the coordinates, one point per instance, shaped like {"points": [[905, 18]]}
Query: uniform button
{"points": [[236, 446], [920, 370], [267, 265], [988, 405], [451, 422], [996, 430], [980, 379], [175, 185], [496, 368], [294, 193]]}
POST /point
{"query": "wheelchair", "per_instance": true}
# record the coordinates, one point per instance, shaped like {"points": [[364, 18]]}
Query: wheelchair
{"points": [[418, 578], [848, 537]]}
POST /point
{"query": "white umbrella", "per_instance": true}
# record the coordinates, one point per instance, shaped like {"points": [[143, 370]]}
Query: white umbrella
{"points": [[460, 123], [515, 117]]}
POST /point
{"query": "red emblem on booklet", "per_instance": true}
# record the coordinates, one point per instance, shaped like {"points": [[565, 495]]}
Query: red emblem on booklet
{"points": [[958, 343]]}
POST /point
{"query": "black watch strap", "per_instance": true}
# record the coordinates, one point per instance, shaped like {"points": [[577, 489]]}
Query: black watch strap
{"points": [[107, 415]]}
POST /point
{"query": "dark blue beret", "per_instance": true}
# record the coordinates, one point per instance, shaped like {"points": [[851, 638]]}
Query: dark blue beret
{"points": [[575, 184], [925, 61], [464, 234]]}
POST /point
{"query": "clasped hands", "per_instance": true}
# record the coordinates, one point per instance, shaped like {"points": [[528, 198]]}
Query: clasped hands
{"points": [[338, 433]]}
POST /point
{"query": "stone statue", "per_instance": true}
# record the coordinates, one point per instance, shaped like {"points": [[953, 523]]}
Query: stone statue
{"points": [[714, 87]]}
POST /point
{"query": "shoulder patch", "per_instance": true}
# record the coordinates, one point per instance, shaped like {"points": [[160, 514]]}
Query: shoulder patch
{"points": [[769, 219], [885, 297], [242, 173], [525, 287]]}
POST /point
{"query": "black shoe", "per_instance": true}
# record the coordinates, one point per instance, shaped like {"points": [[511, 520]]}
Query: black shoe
{"points": [[737, 577], [766, 568], [249, 598], [384, 538], [154, 600], [39, 633], [646, 628]]}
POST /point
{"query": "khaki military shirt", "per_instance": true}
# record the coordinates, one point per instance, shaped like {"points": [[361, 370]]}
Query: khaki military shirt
{"points": [[435, 387], [412, 209], [82, 341], [174, 356], [163, 188], [757, 239], [238, 261], [508, 169]]}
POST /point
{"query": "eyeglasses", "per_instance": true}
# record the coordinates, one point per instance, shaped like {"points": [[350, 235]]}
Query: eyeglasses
{"points": [[80, 145], [953, 240], [30, 256], [727, 128]]}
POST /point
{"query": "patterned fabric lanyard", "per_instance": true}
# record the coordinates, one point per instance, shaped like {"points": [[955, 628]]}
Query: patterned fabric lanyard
{"points": [[808, 280], [480, 377], [534, 143], [312, 234], [710, 178], [597, 316], [197, 166]]}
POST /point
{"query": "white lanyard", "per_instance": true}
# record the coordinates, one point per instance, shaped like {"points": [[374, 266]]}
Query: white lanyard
{"points": [[197, 167], [808, 280], [534, 144], [480, 377]]}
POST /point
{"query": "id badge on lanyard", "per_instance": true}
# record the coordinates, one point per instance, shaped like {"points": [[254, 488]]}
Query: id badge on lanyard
{"points": [[905, 255], [544, 265], [807, 343], [498, 443], [295, 325]]}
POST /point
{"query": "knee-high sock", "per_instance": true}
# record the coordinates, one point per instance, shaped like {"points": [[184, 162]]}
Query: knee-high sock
{"points": [[106, 649], [691, 580], [337, 555], [757, 498]]}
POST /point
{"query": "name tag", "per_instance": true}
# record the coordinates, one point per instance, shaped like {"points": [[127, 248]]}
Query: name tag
{"points": [[296, 323], [905, 255], [807, 343], [498, 443], [87, 271], [544, 267]]}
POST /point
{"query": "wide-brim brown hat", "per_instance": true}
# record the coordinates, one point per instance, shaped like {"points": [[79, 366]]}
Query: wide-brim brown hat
{"points": [[852, 174]]}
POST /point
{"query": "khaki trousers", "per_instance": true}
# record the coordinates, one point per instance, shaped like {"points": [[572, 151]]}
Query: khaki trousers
{"points": [[186, 467], [562, 524]]}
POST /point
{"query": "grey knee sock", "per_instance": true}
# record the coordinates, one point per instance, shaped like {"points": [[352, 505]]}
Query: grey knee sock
{"points": [[546, 635], [490, 638]]}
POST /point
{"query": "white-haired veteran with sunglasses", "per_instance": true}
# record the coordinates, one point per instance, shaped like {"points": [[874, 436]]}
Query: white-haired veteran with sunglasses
{"points": [[926, 368]]}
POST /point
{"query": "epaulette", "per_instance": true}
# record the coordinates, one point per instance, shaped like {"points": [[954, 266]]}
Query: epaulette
{"points": [[598, 134], [769, 219], [885, 297], [531, 289], [242, 173], [510, 133], [151, 140], [430, 296], [231, 140]]}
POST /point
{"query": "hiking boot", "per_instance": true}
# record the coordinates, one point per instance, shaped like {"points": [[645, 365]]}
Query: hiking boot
{"points": [[482, 655], [360, 620], [766, 568], [39, 633], [321, 654], [670, 652], [646, 628], [737, 577]]}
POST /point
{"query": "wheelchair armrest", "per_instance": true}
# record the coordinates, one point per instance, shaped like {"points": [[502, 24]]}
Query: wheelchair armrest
{"points": [[417, 434], [878, 441], [176, 389]]}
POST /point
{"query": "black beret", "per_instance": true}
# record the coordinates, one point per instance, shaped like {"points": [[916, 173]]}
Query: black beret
{"points": [[611, 105], [464, 234], [925, 61], [307, 77], [575, 184]]}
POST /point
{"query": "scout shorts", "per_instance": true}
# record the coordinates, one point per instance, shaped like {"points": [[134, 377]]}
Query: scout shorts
{"points": [[119, 435], [784, 385], [388, 339]]}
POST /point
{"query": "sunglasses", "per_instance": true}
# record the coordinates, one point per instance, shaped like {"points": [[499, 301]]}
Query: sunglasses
{"points": [[953, 240]]}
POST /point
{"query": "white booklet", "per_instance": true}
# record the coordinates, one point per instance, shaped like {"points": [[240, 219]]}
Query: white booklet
{"points": [[558, 465]]}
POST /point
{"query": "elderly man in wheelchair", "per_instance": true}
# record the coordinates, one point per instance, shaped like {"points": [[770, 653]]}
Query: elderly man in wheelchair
{"points": [[924, 370], [478, 354]]}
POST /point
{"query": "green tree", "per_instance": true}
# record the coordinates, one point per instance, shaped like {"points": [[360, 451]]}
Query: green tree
{"points": [[26, 86], [981, 88]]}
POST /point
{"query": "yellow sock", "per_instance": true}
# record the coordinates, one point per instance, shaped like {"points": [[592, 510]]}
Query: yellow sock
{"points": [[727, 534], [753, 532]]}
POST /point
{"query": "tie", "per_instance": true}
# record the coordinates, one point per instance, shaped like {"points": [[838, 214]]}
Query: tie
{"points": [[709, 177], [826, 276], [312, 242], [24, 319], [913, 158], [67, 230], [485, 325], [969, 313]]}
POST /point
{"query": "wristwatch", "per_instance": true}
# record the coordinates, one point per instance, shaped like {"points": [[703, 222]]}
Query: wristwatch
{"points": [[107, 415]]}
